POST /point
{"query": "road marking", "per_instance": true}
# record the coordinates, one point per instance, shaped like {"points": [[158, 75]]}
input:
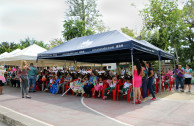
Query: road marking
{"points": [[82, 101], [44, 123]]}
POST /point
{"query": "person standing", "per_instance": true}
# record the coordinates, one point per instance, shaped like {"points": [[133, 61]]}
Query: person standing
{"points": [[150, 79], [188, 77], [2, 79], [32, 77], [23, 77], [138, 73], [144, 82], [179, 73]]}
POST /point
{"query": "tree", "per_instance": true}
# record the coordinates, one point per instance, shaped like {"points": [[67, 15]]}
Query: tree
{"points": [[165, 17], [73, 29], [55, 42], [83, 17], [128, 31], [188, 18], [27, 42]]}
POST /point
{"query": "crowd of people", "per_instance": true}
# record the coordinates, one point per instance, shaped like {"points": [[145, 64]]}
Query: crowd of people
{"points": [[87, 82]]}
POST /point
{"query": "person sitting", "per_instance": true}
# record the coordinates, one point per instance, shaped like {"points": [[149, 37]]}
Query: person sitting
{"points": [[49, 84], [110, 88], [92, 81], [77, 87], [98, 87], [126, 86], [61, 84], [54, 86]]}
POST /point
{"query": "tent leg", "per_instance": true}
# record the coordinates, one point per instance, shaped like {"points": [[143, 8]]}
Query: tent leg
{"points": [[65, 92], [101, 67], [133, 76], [174, 71], [160, 72]]}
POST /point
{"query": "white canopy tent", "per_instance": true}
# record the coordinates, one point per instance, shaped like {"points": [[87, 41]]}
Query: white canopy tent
{"points": [[30, 55], [3, 55]]}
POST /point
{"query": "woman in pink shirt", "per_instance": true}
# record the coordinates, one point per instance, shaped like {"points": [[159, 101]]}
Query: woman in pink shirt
{"points": [[138, 73], [23, 76]]}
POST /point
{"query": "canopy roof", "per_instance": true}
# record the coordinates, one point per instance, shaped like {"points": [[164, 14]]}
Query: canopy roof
{"points": [[107, 47], [29, 53], [3, 55]]}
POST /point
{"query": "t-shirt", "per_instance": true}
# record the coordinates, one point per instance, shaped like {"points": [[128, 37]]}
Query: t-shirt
{"points": [[113, 84], [188, 71], [51, 81], [68, 78], [145, 73], [179, 74], [24, 71], [126, 85]]}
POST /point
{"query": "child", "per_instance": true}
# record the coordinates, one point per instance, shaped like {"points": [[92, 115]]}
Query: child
{"points": [[110, 88], [49, 84], [85, 85], [54, 86], [166, 81], [98, 87], [126, 86]]}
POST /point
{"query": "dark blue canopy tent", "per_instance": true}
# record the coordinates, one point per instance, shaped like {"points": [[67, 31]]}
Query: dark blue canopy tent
{"points": [[107, 47]]}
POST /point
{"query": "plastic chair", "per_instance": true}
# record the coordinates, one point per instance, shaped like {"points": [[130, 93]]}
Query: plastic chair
{"points": [[67, 86], [118, 88]]}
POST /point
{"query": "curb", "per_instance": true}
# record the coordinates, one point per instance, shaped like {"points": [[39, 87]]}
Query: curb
{"points": [[9, 121], [14, 118]]}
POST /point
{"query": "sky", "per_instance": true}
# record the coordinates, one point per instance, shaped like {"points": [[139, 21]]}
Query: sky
{"points": [[42, 20]]}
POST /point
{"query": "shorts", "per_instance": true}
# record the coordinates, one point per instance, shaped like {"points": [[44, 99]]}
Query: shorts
{"points": [[188, 81]]}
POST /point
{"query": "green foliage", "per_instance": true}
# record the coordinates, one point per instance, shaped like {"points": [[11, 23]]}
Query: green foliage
{"points": [[55, 42], [128, 31], [83, 19], [164, 23], [73, 29], [10, 46]]}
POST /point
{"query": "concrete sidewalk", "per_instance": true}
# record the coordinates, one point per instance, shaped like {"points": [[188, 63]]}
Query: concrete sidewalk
{"points": [[51, 109], [170, 109]]}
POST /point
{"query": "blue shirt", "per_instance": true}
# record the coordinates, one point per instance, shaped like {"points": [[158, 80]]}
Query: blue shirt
{"points": [[93, 79]]}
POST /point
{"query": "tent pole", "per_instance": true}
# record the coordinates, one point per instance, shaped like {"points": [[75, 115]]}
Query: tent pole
{"points": [[94, 66], [174, 71], [133, 76], [159, 56], [101, 67]]}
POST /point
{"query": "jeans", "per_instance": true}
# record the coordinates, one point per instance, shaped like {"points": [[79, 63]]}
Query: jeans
{"points": [[87, 88], [63, 87], [145, 88], [32, 82], [150, 82], [179, 80], [24, 85]]}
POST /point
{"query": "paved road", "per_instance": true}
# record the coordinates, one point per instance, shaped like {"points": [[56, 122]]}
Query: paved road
{"points": [[53, 109]]}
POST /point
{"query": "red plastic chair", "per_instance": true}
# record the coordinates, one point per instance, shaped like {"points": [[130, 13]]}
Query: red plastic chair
{"points": [[105, 85], [129, 94], [118, 87], [67, 86]]}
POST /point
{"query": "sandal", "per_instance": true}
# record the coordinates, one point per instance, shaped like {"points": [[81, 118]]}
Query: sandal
{"points": [[99, 95], [28, 97]]}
